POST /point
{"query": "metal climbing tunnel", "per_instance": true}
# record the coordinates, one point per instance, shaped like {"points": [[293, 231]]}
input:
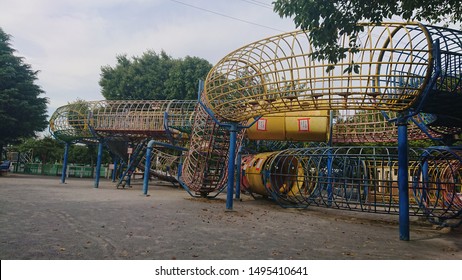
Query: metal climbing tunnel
{"points": [[405, 74], [397, 67]]}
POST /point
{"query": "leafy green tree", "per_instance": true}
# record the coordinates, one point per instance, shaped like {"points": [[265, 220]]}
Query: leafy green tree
{"points": [[87, 154], [327, 20], [80, 154], [45, 150], [50, 150], [184, 76], [22, 109], [153, 77]]}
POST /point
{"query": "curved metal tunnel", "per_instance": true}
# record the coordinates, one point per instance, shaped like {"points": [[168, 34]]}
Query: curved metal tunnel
{"points": [[360, 179], [277, 74], [399, 67]]}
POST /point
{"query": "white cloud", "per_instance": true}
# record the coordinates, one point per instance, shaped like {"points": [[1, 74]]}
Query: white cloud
{"points": [[68, 41]]}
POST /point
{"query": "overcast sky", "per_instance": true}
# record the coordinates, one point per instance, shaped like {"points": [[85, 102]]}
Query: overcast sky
{"points": [[69, 40]]}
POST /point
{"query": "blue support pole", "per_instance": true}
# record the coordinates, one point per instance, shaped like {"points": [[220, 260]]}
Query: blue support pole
{"points": [[114, 171], [98, 163], [330, 191], [180, 168], [129, 180], [147, 168], [238, 173], [403, 179], [231, 165], [425, 182], [66, 155]]}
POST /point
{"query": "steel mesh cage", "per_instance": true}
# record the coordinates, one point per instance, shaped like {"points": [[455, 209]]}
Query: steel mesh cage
{"points": [[204, 166], [69, 123], [277, 74], [372, 126], [129, 117], [437, 183], [365, 179]]}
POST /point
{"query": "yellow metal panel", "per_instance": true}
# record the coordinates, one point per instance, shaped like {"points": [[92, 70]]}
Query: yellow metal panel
{"points": [[292, 126], [253, 173]]}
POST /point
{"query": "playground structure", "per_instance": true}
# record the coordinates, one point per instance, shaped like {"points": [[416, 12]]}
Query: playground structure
{"points": [[404, 83], [118, 123], [359, 179]]}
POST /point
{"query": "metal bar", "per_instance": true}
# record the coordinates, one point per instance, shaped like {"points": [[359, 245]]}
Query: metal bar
{"points": [[403, 178], [147, 168], [114, 171], [231, 165], [98, 163], [238, 173], [329, 178], [425, 181], [66, 155]]}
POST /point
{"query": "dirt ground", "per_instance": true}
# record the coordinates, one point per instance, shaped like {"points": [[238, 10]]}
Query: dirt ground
{"points": [[40, 218]]}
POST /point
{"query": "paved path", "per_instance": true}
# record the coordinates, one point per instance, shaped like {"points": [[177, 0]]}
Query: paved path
{"points": [[43, 219]]}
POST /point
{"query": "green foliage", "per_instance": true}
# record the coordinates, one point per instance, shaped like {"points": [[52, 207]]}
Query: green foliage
{"points": [[46, 150], [81, 154], [87, 154], [327, 20], [49, 150], [22, 109], [153, 77], [184, 76]]}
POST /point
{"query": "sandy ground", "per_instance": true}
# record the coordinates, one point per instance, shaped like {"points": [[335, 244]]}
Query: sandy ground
{"points": [[40, 218]]}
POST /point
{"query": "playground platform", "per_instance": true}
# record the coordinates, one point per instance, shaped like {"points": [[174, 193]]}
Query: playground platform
{"points": [[40, 218]]}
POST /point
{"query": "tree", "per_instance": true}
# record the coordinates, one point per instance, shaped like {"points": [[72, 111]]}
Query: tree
{"points": [[87, 154], [22, 109], [46, 150], [50, 150], [183, 77], [153, 77], [327, 20]]}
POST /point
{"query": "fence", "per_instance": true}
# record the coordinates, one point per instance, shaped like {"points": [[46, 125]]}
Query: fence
{"points": [[73, 170]]}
